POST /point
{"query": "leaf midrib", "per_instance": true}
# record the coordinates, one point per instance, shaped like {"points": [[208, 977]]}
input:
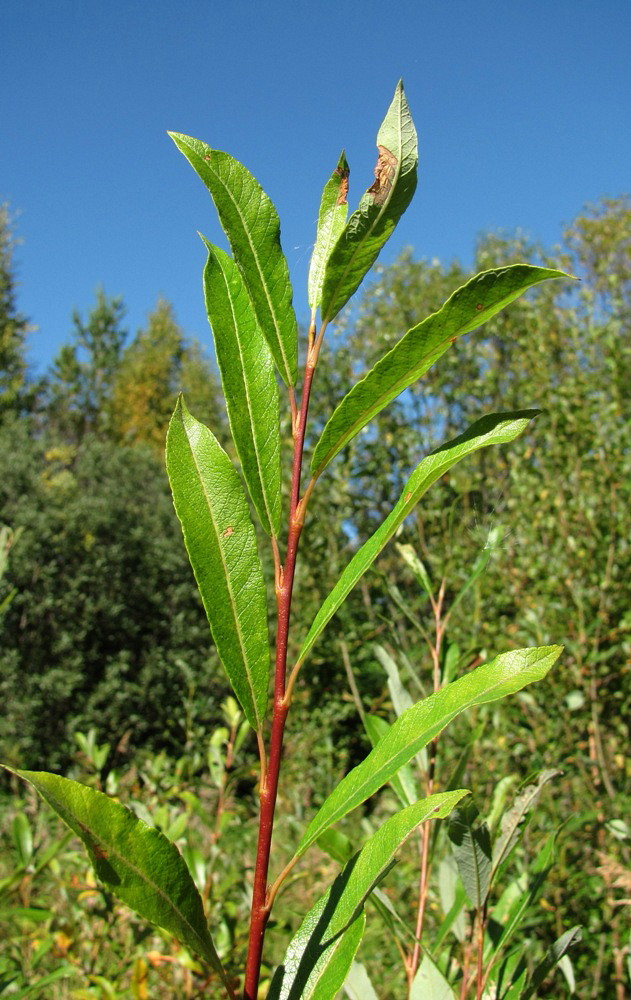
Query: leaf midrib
{"points": [[342, 810], [246, 389], [231, 595], [272, 311], [61, 808]]}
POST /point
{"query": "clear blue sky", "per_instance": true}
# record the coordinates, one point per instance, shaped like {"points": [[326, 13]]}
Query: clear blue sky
{"points": [[523, 111]]}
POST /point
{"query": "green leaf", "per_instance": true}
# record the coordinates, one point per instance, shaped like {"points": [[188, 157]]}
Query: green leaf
{"points": [[219, 536], [379, 210], [249, 383], [315, 972], [519, 905], [552, 957], [471, 845], [402, 783], [429, 982], [312, 947], [512, 820], [251, 224], [452, 900], [418, 568], [22, 836], [506, 674], [337, 845], [357, 984], [331, 221], [496, 428], [510, 979], [401, 699], [468, 308], [135, 861]]}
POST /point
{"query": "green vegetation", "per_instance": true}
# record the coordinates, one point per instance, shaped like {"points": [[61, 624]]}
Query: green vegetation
{"points": [[108, 676]]}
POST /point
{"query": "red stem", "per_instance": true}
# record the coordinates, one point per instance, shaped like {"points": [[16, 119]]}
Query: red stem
{"points": [[261, 904]]}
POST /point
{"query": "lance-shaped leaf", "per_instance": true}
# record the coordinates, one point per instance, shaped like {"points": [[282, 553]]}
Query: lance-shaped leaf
{"points": [[506, 674], [552, 958], [402, 783], [249, 383], [429, 983], [313, 946], [471, 843], [468, 307], [379, 210], [135, 861], [496, 428], [357, 984], [512, 820], [331, 221], [219, 536], [251, 224], [510, 911]]}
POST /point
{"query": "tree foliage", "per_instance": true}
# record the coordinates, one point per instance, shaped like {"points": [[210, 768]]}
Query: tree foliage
{"points": [[13, 327]]}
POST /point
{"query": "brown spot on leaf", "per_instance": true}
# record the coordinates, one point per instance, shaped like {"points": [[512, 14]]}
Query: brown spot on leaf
{"points": [[99, 852], [408, 496], [343, 173], [479, 306], [384, 175], [227, 532]]}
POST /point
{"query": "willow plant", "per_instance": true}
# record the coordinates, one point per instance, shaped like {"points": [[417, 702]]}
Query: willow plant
{"points": [[249, 302]]}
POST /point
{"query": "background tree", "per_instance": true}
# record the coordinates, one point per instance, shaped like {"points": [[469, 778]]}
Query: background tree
{"points": [[13, 328], [157, 365], [80, 382]]}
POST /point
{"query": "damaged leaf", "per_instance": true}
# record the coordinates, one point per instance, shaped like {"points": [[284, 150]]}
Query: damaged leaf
{"points": [[380, 208], [331, 221]]}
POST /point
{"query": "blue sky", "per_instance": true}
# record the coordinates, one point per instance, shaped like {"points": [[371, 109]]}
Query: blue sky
{"points": [[523, 111]]}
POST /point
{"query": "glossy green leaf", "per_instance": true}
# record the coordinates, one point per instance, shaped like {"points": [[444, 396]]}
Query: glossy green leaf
{"points": [[219, 536], [513, 819], [135, 861], [468, 308], [357, 984], [331, 222], [248, 378], [379, 210], [496, 428], [471, 844], [313, 970], [506, 674], [308, 954], [251, 224], [429, 982], [402, 783]]}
